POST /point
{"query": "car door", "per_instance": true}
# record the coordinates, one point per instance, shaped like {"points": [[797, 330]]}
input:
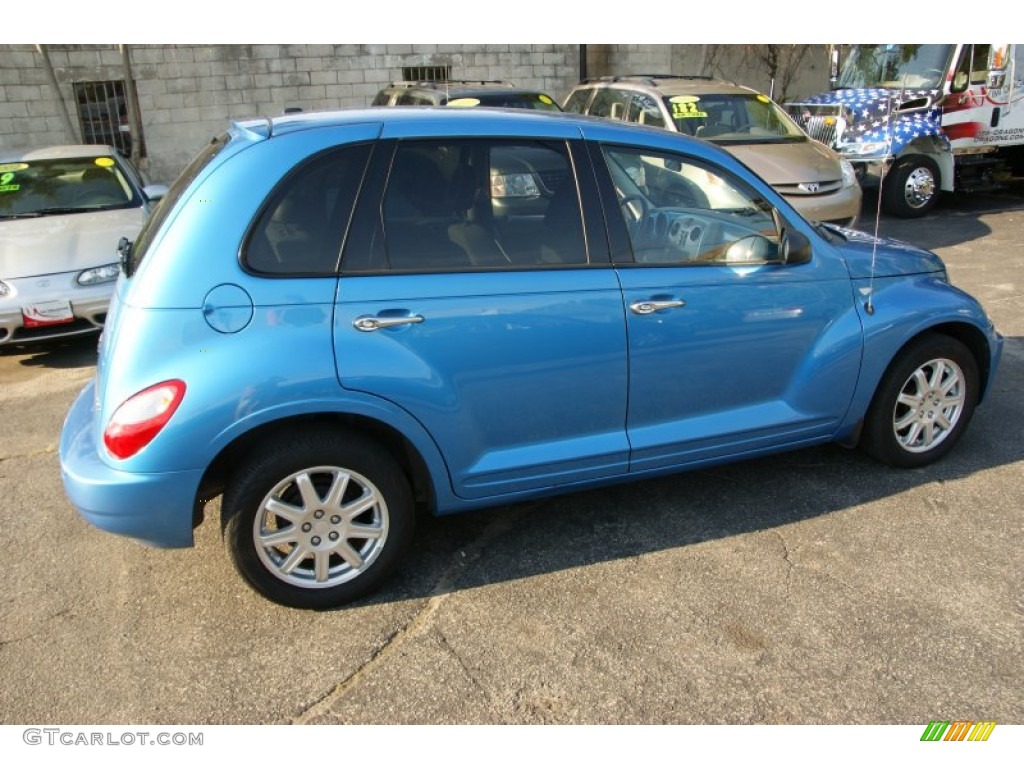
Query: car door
{"points": [[731, 349], [476, 297]]}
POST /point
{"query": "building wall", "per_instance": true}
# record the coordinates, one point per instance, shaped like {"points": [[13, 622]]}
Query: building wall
{"points": [[189, 93]]}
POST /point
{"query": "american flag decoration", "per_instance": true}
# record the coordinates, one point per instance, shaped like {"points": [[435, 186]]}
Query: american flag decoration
{"points": [[871, 115]]}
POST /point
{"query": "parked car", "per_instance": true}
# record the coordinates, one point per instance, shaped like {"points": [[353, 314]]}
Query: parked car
{"points": [[332, 320], [810, 175], [464, 93], [63, 211]]}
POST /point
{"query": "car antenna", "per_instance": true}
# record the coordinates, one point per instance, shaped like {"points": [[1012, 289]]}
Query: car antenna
{"points": [[869, 305]]}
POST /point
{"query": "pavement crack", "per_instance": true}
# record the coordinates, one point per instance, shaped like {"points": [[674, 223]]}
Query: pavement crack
{"points": [[419, 621], [787, 560], [45, 451]]}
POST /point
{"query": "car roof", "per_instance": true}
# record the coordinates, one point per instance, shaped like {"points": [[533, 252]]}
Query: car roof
{"points": [[464, 88], [669, 85], [57, 152], [434, 120]]}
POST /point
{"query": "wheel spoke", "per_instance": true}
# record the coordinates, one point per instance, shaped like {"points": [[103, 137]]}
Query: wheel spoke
{"points": [[943, 421], [928, 428], [938, 372], [277, 538], [322, 563], [349, 555], [296, 556], [355, 508], [911, 401], [905, 422], [287, 511], [365, 531], [310, 498], [337, 492], [920, 381], [912, 435]]}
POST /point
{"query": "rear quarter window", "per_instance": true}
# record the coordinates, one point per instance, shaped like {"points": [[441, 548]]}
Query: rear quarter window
{"points": [[301, 227]]}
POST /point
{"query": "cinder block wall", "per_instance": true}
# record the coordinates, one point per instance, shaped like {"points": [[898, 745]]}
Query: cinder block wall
{"points": [[189, 93]]}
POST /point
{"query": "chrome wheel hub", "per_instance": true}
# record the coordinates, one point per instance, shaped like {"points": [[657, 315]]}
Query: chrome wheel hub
{"points": [[929, 405], [321, 527], [919, 188]]}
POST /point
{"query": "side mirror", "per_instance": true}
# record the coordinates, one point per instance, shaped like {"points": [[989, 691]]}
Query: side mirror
{"points": [[796, 247], [154, 192]]}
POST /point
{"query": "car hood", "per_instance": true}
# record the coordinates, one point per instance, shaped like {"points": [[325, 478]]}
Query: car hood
{"points": [[891, 258], [64, 243], [867, 118], [789, 162]]}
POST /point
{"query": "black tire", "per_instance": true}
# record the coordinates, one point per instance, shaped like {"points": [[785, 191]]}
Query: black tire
{"points": [[923, 403], [911, 187], [298, 546]]}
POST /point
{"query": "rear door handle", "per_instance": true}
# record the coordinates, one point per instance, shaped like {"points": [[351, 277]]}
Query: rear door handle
{"points": [[368, 323], [647, 307]]}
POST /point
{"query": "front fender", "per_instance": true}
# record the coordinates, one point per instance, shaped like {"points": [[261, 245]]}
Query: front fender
{"points": [[903, 308]]}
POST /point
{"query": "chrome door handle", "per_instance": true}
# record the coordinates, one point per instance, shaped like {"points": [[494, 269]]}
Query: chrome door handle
{"points": [[367, 323], [647, 307]]}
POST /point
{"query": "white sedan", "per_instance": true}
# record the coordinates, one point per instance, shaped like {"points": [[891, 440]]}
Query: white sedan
{"points": [[63, 211]]}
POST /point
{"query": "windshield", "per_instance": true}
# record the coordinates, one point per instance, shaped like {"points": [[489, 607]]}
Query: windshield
{"points": [[733, 118], [72, 185], [895, 66]]}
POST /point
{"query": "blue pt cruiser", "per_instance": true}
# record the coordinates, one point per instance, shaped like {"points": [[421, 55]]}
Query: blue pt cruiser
{"points": [[333, 319]]}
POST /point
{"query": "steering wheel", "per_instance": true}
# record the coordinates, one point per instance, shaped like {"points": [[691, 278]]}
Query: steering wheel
{"points": [[634, 219]]}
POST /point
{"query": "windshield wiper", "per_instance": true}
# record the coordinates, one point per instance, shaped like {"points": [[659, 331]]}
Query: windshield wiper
{"points": [[58, 209]]}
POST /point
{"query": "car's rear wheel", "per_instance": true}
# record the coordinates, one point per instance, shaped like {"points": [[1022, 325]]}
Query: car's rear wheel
{"points": [[923, 403], [318, 521]]}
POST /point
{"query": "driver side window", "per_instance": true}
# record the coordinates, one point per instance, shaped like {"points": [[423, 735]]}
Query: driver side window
{"points": [[680, 212]]}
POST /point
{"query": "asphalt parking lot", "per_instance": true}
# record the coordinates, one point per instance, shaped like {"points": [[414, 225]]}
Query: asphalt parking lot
{"points": [[810, 587]]}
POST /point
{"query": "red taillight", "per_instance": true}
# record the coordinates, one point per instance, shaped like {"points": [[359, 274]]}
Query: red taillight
{"points": [[141, 417]]}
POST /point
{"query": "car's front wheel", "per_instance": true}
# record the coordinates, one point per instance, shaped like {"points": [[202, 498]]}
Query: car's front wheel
{"points": [[923, 403], [911, 187], [318, 521]]}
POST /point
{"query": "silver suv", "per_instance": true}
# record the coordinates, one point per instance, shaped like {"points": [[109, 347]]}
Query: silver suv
{"points": [[463, 93], [811, 176]]}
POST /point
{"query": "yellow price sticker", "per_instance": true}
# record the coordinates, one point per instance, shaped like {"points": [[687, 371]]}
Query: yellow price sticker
{"points": [[104, 162], [464, 103], [763, 99], [11, 167], [545, 99]]}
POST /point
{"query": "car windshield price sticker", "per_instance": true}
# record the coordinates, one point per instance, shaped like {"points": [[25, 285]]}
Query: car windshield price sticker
{"points": [[686, 106], [5, 182]]}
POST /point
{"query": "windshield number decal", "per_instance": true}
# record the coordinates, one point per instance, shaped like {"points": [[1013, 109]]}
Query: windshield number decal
{"points": [[5, 183], [687, 109]]}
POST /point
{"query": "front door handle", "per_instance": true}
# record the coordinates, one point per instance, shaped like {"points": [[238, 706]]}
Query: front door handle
{"points": [[368, 323], [647, 307]]}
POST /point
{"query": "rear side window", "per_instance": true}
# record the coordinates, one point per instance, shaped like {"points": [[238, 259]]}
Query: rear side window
{"points": [[302, 225], [611, 102], [475, 204], [577, 101]]}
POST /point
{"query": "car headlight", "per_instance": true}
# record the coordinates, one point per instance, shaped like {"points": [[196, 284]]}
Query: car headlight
{"points": [[514, 185], [849, 174], [865, 149], [104, 274], [4, 289]]}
